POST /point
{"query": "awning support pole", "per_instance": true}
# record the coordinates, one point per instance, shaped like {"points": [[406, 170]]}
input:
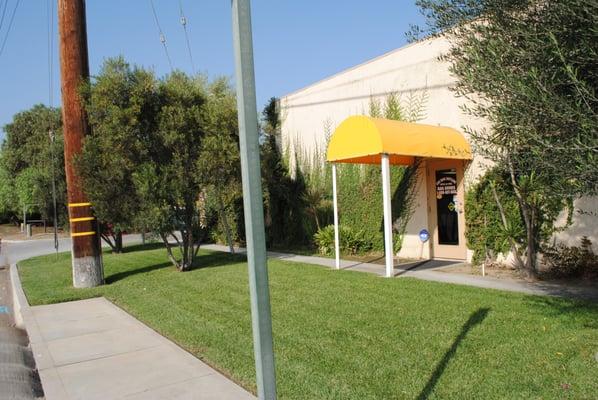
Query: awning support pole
{"points": [[388, 246], [337, 255]]}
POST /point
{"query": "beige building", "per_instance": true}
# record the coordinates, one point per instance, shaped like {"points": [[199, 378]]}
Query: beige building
{"points": [[310, 114]]}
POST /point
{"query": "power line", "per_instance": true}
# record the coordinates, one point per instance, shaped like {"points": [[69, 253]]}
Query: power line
{"points": [[162, 37], [12, 18], [50, 10], [3, 13], [52, 134], [184, 23]]}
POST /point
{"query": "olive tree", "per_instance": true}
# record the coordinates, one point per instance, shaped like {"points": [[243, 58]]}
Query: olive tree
{"points": [[529, 68], [121, 102]]}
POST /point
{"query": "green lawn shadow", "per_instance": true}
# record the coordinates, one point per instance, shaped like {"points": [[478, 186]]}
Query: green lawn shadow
{"points": [[125, 274], [475, 319], [202, 261], [214, 259], [141, 247]]}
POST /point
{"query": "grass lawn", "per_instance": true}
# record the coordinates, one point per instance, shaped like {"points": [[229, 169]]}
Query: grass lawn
{"points": [[350, 335]]}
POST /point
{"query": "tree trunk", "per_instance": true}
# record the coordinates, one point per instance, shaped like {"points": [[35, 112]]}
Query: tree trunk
{"points": [[185, 264], [187, 250], [196, 250], [227, 232], [169, 251], [115, 241], [118, 242], [531, 246], [315, 211], [514, 248], [108, 241], [530, 228]]}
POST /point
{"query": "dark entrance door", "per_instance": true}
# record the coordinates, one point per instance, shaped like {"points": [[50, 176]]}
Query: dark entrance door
{"points": [[446, 207]]}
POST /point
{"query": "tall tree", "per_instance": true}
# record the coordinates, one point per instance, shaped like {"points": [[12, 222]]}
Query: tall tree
{"points": [[121, 102], [170, 182], [285, 195], [529, 68], [219, 161]]}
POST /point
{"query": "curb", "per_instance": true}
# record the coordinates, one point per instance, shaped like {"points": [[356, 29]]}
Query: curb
{"points": [[22, 311], [24, 320], [20, 303]]}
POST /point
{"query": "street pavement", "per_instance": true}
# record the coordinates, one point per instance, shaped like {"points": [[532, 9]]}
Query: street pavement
{"points": [[12, 252], [18, 377], [92, 349]]}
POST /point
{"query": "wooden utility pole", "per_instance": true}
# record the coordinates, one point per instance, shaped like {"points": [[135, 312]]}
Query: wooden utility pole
{"points": [[74, 70]]}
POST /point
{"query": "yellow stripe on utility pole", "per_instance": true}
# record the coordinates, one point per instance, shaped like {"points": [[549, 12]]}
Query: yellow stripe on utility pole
{"points": [[77, 234], [81, 219], [79, 204]]}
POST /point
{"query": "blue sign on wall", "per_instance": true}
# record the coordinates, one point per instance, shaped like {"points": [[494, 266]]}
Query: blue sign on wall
{"points": [[424, 235]]}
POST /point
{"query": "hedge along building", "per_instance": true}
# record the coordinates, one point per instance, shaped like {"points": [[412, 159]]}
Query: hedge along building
{"points": [[311, 114]]}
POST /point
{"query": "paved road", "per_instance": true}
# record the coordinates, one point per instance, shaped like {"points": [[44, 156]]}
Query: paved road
{"points": [[18, 377], [14, 251]]}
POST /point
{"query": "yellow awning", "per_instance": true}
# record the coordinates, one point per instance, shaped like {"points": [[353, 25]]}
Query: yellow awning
{"points": [[362, 140]]}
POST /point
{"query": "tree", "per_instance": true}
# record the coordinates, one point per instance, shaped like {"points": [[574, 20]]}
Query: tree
{"points": [[26, 164], [121, 102], [169, 182], [159, 149], [7, 195], [529, 68], [219, 161], [284, 195]]}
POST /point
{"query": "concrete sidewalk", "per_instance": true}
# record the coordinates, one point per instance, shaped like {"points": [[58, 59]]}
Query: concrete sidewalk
{"points": [[536, 288], [91, 349]]}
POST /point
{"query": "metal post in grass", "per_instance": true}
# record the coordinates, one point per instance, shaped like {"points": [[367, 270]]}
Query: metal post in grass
{"points": [[386, 197], [337, 250], [252, 201]]}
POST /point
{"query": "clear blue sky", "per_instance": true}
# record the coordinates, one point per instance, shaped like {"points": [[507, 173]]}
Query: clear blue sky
{"points": [[295, 42]]}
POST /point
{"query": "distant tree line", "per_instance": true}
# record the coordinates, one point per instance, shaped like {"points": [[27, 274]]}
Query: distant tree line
{"points": [[26, 165]]}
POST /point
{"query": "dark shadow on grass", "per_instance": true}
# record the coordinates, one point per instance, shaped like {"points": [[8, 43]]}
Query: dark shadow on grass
{"points": [[125, 274], [141, 247], [475, 319], [217, 259], [580, 311], [202, 261]]}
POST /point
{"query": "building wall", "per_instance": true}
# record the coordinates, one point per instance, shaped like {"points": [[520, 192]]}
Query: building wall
{"points": [[311, 114]]}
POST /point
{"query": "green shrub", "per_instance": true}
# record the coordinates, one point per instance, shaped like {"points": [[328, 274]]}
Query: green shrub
{"points": [[351, 242], [561, 261], [485, 231], [360, 200]]}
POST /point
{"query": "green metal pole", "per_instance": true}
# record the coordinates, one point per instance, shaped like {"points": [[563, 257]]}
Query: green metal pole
{"points": [[253, 202]]}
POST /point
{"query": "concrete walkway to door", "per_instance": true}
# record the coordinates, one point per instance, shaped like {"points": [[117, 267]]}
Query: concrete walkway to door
{"points": [[92, 349], [430, 273]]}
